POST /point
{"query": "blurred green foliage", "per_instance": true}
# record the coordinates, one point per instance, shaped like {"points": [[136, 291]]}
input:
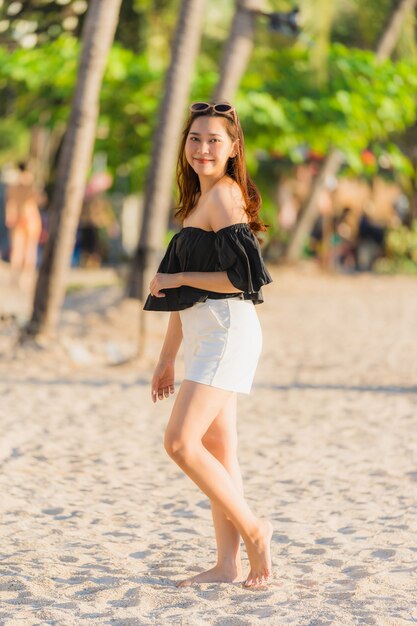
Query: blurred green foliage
{"points": [[401, 251], [14, 140], [40, 84], [283, 108]]}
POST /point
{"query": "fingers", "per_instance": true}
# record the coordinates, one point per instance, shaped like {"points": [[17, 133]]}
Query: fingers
{"points": [[157, 294], [159, 393], [154, 289]]}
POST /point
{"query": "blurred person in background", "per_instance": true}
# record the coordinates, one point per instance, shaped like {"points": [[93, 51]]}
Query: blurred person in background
{"points": [[343, 246], [98, 223], [24, 223], [321, 233], [370, 242]]}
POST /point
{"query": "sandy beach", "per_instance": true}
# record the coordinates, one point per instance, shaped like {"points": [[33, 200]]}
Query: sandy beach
{"points": [[97, 523]]}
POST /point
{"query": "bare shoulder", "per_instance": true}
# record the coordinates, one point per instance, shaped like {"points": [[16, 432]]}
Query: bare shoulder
{"points": [[226, 204]]}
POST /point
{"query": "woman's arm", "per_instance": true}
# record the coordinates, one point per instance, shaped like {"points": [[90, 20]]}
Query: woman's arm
{"points": [[163, 377], [11, 209], [210, 281], [173, 338]]}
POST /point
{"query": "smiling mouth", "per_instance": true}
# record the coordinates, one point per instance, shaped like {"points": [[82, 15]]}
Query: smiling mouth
{"points": [[204, 160]]}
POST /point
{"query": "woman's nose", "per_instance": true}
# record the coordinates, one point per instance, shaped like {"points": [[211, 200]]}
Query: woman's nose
{"points": [[203, 147]]}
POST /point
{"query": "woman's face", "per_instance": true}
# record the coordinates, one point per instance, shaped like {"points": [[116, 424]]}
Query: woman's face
{"points": [[208, 146]]}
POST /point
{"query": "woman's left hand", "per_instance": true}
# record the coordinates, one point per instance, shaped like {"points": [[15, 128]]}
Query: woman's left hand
{"points": [[163, 281]]}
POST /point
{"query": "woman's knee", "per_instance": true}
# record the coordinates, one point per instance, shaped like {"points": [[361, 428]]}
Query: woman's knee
{"points": [[177, 446]]}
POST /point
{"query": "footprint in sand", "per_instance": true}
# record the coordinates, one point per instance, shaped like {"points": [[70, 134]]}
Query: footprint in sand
{"points": [[383, 554], [56, 511]]}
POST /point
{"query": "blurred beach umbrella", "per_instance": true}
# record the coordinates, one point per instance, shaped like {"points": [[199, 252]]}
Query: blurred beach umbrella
{"points": [[334, 160], [158, 189], [74, 161]]}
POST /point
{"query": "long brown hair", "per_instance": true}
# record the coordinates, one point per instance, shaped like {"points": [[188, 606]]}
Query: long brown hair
{"points": [[189, 183]]}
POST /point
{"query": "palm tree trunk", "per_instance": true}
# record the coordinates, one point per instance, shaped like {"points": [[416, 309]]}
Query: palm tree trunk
{"points": [[316, 20], [98, 33], [308, 214], [158, 192], [39, 154], [391, 35], [238, 49], [334, 160]]}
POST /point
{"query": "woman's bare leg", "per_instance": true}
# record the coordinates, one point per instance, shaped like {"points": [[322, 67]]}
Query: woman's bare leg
{"points": [[31, 254], [195, 408], [221, 441], [29, 261], [17, 247]]}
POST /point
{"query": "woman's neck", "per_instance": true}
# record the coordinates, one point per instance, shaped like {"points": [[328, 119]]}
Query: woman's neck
{"points": [[207, 183]]}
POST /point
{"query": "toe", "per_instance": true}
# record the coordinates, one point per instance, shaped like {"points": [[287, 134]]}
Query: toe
{"points": [[256, 582], [250, 581]]}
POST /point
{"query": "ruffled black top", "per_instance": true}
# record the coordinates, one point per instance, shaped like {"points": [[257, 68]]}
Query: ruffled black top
{"points": [[233, 249]]}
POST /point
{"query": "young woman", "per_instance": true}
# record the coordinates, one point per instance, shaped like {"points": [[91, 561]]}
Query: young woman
{"points": [[210, 278]]}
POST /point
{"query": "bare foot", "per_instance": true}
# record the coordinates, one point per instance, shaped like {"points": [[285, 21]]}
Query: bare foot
{"points": [[259, 553], [216, 574]]}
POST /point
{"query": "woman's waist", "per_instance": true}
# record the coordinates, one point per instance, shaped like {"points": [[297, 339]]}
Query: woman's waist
{"points": [[195, 294], [214, 295]]}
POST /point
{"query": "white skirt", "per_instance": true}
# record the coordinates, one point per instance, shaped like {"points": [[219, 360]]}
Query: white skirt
{"points": [[222, 343]]}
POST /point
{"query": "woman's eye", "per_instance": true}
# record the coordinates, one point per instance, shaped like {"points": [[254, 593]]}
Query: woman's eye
{"points": [[197, 139]]}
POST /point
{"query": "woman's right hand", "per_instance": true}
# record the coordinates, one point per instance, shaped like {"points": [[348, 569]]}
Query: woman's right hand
{"points": [[162, 380]]}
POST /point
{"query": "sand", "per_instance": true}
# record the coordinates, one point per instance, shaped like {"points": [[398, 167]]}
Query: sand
{"points": [[97, 523]]}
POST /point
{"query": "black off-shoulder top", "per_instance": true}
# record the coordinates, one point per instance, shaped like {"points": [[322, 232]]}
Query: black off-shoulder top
{"points": [[233, 249]]}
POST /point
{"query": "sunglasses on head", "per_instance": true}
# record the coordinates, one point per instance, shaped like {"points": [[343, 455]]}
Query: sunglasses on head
{"points": [[202, 107]]}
